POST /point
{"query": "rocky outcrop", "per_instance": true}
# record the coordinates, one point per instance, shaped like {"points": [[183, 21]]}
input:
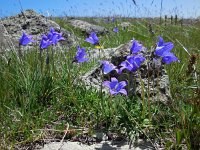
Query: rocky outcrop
{"points": [[33, 24], [87, 27], [150, 81]]}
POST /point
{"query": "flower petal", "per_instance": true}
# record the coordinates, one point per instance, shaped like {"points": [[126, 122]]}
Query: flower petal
{"points": [[169, 58], [106, 84], [113, 79], [112, 92], [136, 47], [121, 85], [123, 91], [160, 42], [80, 55], [90, 40], [108, 67]]}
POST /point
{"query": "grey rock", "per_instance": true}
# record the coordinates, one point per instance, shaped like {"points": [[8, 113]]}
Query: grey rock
{"points": [[150, 81], [33, 24], [87, 27], [125, 25], [6, 41], [104, 145], [97, 20]]}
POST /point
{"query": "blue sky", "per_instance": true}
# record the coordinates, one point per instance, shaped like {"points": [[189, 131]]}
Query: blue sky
{"points": [[145, 8]]}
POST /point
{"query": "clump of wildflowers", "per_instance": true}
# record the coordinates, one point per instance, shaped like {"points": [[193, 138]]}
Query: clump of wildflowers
{"points": [[25, 39], [115, 86], [52, 38], [81, 55]]}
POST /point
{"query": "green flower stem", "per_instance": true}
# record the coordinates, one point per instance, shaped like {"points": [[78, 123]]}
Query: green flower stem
{"points": [[142, 96], [101, 90], [52, 58], [149, 109], [41, 62]]}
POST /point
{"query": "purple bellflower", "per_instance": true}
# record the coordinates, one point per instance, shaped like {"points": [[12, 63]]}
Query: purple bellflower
{"points": [[25, 39], [108, 67], [163, 47], [45, 42], [136, 47], [93, 39], [115, 86], [113, 19], [168, 58], [132, 63], [80, 55], [163, 50], [52, 38], [116, 30]]}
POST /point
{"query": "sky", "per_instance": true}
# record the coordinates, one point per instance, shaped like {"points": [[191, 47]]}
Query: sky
{"points": [[102, 8]]}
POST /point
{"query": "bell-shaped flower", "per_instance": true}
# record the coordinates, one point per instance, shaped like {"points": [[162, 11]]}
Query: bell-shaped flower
{"points": [[108, 67], [136, 47], [45, 42], [81, 55], [54, 36], [168, 58], [115, 86], [113, 19], [163, 47], [92, 39], [163, 50], [132, 63], [51, 33], [25, 39], [116, 30]]}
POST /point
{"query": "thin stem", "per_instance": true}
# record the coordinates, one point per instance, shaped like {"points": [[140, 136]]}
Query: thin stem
{"points": [[148, 91]]}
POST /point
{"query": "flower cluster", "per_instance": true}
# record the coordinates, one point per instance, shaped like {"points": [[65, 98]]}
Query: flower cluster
{"points": [[132, 63], [114, 86], [52, 38]]}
